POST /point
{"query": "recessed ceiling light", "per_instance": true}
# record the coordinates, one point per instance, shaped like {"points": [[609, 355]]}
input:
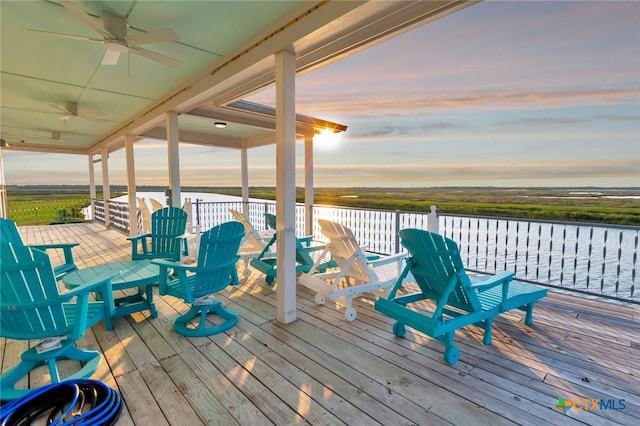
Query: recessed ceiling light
{"points": [[220, 124]]}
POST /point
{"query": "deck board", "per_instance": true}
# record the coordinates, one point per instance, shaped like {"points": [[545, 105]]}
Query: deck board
{"points": [[321, 369]]}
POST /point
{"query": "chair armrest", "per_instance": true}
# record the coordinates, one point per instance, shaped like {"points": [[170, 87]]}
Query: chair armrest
{"points": [[142, 239], [179, 269], [53, 246], [387, 259], [86, 288], [138, 237], [68, 254], [306, 239], [102, 280], [501, 278]]}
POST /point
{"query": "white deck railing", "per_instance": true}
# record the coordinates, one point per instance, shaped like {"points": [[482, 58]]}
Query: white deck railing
{"points": [[589, 258]]}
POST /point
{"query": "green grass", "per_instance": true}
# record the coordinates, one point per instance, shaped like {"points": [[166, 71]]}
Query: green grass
{"points": [[43, 212], [526, 203], [58, 203], [43, 205]]}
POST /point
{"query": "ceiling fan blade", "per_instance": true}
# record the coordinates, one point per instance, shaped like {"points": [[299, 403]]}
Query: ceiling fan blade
{"points": [[77, 11], [75, 37], [155, 56], [157, 36], [110, 57], [92, 114], [63, 109]]}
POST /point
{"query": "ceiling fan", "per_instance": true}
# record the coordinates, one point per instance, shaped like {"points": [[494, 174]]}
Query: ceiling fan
{"points": [[70, 110], [114, 32], [56, 136]]}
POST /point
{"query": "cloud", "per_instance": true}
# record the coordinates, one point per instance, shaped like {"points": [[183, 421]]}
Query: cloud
{"points": [[370, 106], [556, 173]]}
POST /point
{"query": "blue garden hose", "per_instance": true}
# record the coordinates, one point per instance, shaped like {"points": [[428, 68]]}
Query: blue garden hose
{"points": [[70, 402]]}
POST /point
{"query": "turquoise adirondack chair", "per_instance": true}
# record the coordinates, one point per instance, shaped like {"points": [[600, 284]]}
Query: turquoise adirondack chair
{"points": [[9, 234], [306, 254], [460, 300], [31, 308], [215, 270], [167, 239]]}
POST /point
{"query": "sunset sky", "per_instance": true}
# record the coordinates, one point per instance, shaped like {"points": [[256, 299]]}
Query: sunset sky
{"points": [[502, 94]]}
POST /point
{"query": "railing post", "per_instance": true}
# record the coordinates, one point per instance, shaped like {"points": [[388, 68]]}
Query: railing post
{"points": [[198, 211], [397, 233], [187, 207], [433, 222]]}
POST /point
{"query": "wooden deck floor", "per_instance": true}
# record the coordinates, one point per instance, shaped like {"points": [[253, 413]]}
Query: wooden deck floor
{"points": [[322, 370]]}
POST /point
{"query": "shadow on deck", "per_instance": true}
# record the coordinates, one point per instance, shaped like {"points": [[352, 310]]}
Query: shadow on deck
{"points": [[322, 370]]}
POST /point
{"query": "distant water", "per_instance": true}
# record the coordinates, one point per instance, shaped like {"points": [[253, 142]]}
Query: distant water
{"points": [[159, 197], [203, 196]]}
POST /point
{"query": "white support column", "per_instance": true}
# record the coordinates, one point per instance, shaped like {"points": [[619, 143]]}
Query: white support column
{"points": [[3, 189], [92, 186], [244, 165], [131, 186], [308, 183], [106, 190], [173, 140], [285, 185]]}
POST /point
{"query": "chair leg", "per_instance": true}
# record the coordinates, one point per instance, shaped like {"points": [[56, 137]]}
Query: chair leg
{"points": [[32, 359], [528, 319], [451, 353], [488, 329], [235, 280], [350, 313], [185, 325]]}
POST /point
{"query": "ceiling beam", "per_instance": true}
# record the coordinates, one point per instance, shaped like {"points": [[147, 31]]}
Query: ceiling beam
{"points": [[19, 146], [196, 138]]}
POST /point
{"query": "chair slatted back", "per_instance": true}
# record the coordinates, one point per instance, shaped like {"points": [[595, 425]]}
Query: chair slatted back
{"points": [[155, 204], [167, 224], [9, 232], [252, 240], [303, 255], [27, 279], [217, 258], [146, 216], [346, 251], [438, 269]]}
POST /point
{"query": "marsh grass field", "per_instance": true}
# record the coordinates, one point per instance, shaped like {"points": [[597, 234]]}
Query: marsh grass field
{"points": [[597, 205]]}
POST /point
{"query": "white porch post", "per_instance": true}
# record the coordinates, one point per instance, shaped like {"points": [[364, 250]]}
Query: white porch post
{"points": [[131, 186], [106, 191], [174, 158], [244, 165], [285, 185], [92, 186], [3, 188], [308, 184]]}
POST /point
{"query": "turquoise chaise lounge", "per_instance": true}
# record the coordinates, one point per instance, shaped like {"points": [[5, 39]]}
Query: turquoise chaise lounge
{"points": [[459, 300]]}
